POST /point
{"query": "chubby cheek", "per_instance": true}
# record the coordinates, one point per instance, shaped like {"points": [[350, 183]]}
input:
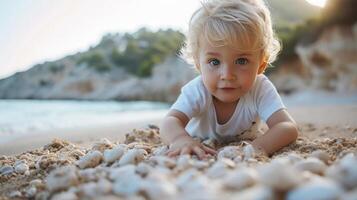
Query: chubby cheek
{"points": [[209, 80]]}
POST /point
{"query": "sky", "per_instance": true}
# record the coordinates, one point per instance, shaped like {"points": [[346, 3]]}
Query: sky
{"points": [[34, 31]]}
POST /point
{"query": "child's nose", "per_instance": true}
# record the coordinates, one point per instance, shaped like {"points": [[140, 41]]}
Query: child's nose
{"points": [[228, 74]]}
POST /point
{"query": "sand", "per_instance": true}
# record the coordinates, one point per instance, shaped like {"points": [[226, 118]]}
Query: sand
{"points": [[332, 129]]}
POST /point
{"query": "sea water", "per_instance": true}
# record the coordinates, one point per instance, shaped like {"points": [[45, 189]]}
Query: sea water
{"points": [[24, 116]]}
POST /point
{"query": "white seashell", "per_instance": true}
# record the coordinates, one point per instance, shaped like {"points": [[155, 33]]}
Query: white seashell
{"points": [[132, 156], [200, 188], [317, 190], [65, 196], [15, 194], [91, 159], [241, 179], [200, 164], [128, 185], [249, 152], [21, 168], [111, 155], [36, 183], [62, 178], [143, 169], [344, 171], [321, 155], [256, 192], [184, 162], [294, 158], [186, 177], [351, 195], [6, 170], [210, 143], [220, 168], [122, 172], [91, 174], [93, 189], [311, 164], [163, 161], [160, 151], [31, 192], [279, 175], [158, 186], [158, 190], [230, 152], [102, 145]]}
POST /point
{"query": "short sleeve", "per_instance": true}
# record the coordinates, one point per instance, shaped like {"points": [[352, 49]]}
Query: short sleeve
{"points": [[192, 99], [266, 97]]}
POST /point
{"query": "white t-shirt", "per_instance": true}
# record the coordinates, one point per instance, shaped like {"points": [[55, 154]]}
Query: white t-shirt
{"points": [[195, 101]]}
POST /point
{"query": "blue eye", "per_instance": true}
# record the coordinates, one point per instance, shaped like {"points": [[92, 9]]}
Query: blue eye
{"points": [[241, 61], [214, 62]]}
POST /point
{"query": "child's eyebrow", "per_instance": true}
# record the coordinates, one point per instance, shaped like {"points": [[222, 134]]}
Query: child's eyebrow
{"points": [[213, 54]]}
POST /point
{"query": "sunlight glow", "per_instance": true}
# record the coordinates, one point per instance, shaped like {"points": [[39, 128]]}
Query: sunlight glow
{"points": [[320, 3]]}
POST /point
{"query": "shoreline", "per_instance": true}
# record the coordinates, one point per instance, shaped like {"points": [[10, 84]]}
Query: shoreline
{"points": [[314, 122]]}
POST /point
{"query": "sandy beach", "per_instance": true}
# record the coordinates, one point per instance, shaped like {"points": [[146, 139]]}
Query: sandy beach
{"points": [[77, 163], [314, 122]]}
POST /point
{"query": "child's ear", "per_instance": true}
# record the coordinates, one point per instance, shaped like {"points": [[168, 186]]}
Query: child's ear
{"points": [[263, 64], [262, 67]]}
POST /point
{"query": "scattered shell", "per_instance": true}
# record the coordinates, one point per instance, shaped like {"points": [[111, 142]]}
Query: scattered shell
{"points": [[212, 143], [160, 151], [5, 170], [62, 178], [230, 152], [30, 192], [163, 161], [344, 171], [132, 156], [65, 196], [249, 152], [280, 175], [15, 194], [102, 145], [318, 189], [111, 155], [21, 168], [128, 185], [93, 189], [91, 159], [311, 164], [143, 169], [241, 179], [321, 155], [256, 192], [219, 169], [184, 162]]}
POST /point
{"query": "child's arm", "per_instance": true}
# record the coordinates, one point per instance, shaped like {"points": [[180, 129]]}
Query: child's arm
{"points": [[282, 131], [173, 132]]}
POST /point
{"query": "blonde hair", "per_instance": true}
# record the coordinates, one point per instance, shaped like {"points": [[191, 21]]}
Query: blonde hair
{"points": [[225, 22]]}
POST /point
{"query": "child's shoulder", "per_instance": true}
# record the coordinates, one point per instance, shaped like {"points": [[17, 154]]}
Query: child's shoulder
{"points": [[195, 83]]}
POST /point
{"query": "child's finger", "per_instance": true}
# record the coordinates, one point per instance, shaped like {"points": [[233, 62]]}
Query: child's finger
{"points": [[173, 153], [185, 150], [209, 150], [199, 152]]}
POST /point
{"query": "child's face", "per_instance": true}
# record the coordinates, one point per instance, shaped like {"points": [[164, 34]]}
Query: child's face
{"points": [[227, 73]]}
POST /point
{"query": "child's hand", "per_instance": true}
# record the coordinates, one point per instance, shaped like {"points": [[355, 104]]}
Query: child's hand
{"points": [[187, 145]]}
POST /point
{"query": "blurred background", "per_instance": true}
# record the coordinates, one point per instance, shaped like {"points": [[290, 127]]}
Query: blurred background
{"points": [[73, 63]]}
